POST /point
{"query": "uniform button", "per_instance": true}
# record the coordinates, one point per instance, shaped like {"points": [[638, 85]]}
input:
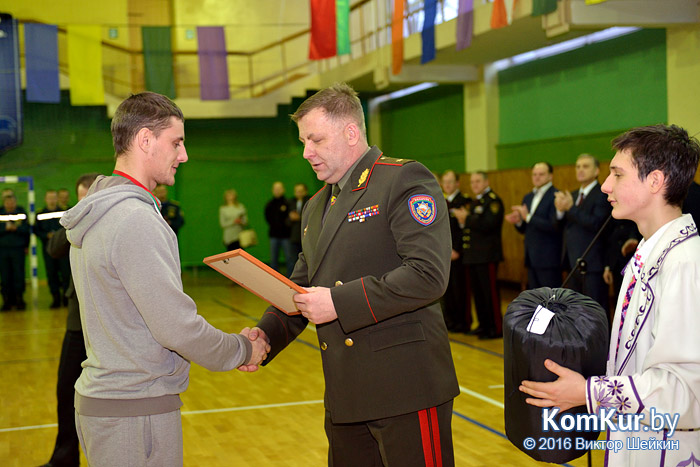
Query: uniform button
{"points": [[324, 346], [337, 283], [349, 342]]}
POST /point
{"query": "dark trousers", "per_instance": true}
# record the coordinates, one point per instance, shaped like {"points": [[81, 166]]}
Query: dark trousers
{"points": [[66, 451], [12, 272], [417, 439], [487, 297], [456, 311], [543, 277], [57, 273]]}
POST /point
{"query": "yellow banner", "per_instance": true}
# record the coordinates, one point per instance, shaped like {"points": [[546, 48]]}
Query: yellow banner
{"points": [[593, 2], [85, 65]]}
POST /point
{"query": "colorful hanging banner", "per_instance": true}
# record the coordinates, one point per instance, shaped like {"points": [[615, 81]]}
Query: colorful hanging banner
{"points": [[10, 85], [502, 13], [158, 60], [543, 7], [85, 65], [213, 69], [342, 20], [397, 37], [41, 59], [428, 32], [465, 23], [322, 43]]}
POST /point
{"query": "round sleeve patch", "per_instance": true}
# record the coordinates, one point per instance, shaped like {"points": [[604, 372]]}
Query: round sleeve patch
{"points": [[422, 208]]}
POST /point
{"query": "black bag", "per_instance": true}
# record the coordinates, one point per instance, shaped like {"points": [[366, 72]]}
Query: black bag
{"points": [[577, 337]]}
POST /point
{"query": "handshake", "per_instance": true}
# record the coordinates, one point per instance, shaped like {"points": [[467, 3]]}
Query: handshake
{"points": [[261, 347]]}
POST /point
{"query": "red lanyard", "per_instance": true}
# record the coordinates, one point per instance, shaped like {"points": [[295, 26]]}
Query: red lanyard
{"points": [[156, 201]]}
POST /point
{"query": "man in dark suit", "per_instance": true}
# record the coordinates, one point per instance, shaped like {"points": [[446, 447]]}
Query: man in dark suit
{"points": [[482, 251], [375, 260], [456, 309], [536, 217], [583, 213]]}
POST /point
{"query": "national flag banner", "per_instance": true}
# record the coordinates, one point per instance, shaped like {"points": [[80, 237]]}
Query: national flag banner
{"points": [[322, 43], [213, 67], [41, 63], [465, 23], [502, 13], [11, 130], [342, 20], [428, 32], [397, 37], [158, 60], [543, 7], [85, 65]]}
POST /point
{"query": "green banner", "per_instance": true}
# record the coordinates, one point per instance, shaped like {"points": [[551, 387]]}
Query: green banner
{"points": [[158, 60], [342, 25]]}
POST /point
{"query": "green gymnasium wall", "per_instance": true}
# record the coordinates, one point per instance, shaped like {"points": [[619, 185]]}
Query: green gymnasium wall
{"points": [[427, 126], [61, 142], [558, 107]]}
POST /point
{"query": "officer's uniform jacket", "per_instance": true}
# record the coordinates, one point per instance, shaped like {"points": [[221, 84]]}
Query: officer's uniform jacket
{"points": [[384, 250], [481, 236]]}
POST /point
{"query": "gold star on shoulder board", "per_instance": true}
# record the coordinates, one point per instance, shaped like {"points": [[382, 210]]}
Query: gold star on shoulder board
{"points": [[363, 177]]}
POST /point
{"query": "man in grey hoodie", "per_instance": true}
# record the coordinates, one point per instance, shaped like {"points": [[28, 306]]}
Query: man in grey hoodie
{"points": [[141, 330]]}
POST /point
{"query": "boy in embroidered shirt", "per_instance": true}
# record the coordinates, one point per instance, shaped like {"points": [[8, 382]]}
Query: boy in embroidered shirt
{"points": [[653, 366]]}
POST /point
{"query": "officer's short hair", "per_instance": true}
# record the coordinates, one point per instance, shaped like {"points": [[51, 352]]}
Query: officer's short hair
{"points": [[338, 101]]}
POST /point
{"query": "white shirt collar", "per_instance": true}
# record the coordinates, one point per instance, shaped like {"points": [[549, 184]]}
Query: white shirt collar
{"points": [[587, 189], [645, 247], [484, 193], [543, 188]]}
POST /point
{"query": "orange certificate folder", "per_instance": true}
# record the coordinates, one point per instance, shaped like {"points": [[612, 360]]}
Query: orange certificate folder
{"points": [[256, 276]]}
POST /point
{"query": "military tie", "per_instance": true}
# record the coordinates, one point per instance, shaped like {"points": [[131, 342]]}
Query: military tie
{"points": [[334, 196]]}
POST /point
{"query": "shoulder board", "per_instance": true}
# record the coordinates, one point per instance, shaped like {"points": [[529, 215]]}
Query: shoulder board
{"points": [[173, 202], [385, 160]]}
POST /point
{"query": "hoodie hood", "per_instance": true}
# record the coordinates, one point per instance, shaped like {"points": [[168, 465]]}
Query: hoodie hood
{"points": [[103, 195]]}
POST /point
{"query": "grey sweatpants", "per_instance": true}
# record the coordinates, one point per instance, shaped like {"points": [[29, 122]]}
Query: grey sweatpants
{"points": [[149, 440]]}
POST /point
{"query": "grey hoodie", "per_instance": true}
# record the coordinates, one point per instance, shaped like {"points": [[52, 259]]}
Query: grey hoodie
{"points": [[141, 330]]}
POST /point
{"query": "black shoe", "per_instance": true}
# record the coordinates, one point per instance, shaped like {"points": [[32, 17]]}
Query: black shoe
{"points": [[490, 335], [475, 332], [56, 303], [6, 307], [21, 306]]}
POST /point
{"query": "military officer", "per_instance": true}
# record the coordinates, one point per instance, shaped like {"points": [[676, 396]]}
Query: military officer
{"points": [[482, 251], [57, 270], [375, 260], [457, 311], [14, 240], [170, 209]]}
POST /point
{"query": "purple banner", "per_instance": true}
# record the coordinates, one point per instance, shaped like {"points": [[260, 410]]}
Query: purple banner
{"points": [[465, 24], [213, 69], [41, 52]]}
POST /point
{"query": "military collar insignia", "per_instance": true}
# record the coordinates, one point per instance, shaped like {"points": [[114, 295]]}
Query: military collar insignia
{"points": [[363, 178]]}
